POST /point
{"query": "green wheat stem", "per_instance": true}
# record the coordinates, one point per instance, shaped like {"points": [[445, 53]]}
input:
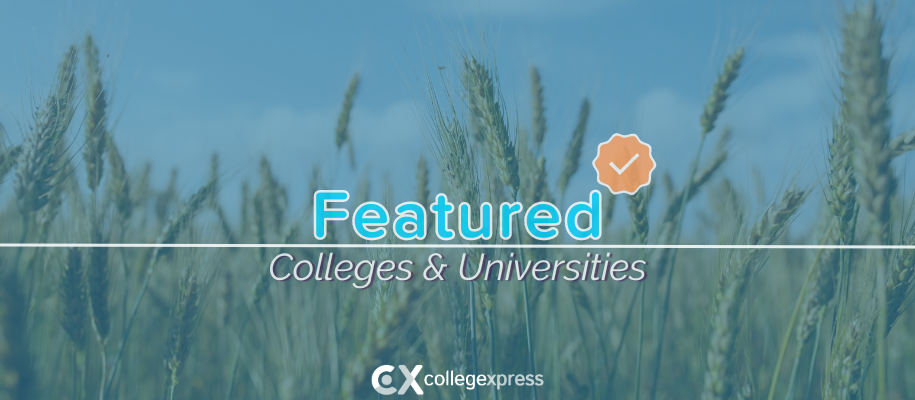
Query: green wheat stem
{"points": [[169, 233], [35, 282], [793, 381], [656, 366], [235, 363], [26, 222], [813, 356], [82, 377], [529, 334], [124, 267], [713, 108], [171, 390], [104, 361], [527, 313], [73, 386], [601, 332], [473, 337], [491, 325], [845, 259], [792, 386], [619, 347], [555, 391], [638, 363], [124, 294], [590, 363], [866, 112], [126, 333], [783, 349], [659, 347], [881, 330]]}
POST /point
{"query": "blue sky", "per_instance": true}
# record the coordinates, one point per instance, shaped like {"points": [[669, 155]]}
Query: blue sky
{"points": [[245, 79]]}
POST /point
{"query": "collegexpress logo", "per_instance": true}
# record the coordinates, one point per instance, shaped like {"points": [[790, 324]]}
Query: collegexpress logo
{"points": [[386, 379], [382, 380]]}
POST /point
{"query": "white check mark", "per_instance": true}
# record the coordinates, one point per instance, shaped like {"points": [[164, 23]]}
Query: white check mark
{"points": [[619, 171]]}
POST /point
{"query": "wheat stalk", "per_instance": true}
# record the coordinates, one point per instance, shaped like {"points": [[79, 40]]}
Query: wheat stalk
{"points": [[169, 234], [902, 144], [538, 111], [268, 204], [38, 161], [866, 114], [165, 199], [488, 291], [843, 375], [8, 158], [840, 196], [452, 153], [423, 194], [450, 144], [17, 376], [59, 183], [184, 319], [485, 110], [457, 303], [96, 105], [573, 152], [811, 308], [381, 342], [715, 103], [900, 282], [732, 288], [215, 205], [638, 212], [140, 193], [243, 216], [675, 201], [273, 195], [181, 218], [536, 190], [118, 181], [818, 296], [608, 206], [580, 301], [73, 298], [713, 108], [342, 135], [97, 279], [536, 187], [454, 158], [823, 274], [670, 231]]}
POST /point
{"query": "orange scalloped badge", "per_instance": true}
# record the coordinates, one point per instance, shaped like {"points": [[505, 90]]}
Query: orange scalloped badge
{"points": [[624, 163]]}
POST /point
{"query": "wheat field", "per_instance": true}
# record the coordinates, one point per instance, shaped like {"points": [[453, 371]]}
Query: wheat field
{"points": [[211, 323]]}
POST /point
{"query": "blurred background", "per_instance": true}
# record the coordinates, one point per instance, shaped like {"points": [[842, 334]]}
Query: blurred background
{"points": [[214, 122], [189, 79]]}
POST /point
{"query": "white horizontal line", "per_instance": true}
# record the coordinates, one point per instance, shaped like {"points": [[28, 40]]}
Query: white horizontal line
{"points": [[464, 246]]}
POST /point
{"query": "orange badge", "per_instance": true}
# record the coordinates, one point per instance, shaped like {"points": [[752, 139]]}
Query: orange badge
{"points": [[624, 163]]}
